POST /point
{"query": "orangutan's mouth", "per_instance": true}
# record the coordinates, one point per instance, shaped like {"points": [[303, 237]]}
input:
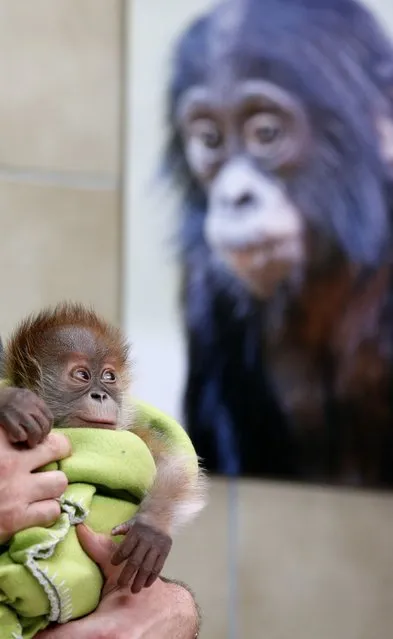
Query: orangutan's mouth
{"points": [[98, 423]]}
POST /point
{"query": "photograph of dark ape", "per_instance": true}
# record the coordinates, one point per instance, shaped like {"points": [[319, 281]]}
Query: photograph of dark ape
{"points": [[281, 145]]}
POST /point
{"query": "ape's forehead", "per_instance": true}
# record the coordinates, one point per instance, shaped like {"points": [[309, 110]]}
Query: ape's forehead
{"points": [[234, 24], [277, 29], [225, 25], [323, 52], [233, 20], [71, 340], [269, 39]]}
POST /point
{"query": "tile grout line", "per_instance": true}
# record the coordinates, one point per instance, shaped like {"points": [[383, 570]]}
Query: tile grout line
{"points": [[83, 180], [233, 558]]}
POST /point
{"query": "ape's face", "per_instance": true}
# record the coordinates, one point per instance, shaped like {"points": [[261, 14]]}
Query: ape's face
{"points": [[243, 146], [280, 131]]}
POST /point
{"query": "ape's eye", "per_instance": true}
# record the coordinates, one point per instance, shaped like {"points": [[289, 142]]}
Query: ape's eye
{"points": [[81, 374], [207, 132], [108, 376], [263, 129]]}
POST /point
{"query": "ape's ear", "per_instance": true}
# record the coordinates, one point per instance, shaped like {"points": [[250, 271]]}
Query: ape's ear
{"points": [[385, 133]]}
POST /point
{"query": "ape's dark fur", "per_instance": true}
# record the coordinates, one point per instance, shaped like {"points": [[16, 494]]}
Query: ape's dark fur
{"points": [[333, 56]]}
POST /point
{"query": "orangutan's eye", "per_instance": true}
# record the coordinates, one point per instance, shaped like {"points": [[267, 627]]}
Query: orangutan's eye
{"points": [[81, 374], [108, 376]]}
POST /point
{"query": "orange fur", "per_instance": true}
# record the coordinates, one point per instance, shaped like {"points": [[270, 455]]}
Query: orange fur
{"points": [[157, 444], [25, 346], [176, 495]]}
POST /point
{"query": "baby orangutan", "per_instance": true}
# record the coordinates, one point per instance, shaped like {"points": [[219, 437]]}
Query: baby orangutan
{"points": [[69, 368]]}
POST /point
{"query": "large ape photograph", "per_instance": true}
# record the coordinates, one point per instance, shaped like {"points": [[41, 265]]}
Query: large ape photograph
{"points": [[278, 142]]}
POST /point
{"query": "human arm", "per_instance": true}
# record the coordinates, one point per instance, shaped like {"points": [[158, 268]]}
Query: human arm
{"points": [[166, 609]]}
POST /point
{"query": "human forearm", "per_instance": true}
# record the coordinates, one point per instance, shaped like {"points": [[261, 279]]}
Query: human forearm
{"points": [[179, 620], [167, 611]]}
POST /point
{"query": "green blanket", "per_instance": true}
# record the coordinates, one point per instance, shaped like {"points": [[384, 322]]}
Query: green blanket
{"points": [[45, 575]]}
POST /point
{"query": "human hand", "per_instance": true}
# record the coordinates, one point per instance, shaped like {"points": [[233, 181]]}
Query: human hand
{"points": [[165, 610], [28, 498]]}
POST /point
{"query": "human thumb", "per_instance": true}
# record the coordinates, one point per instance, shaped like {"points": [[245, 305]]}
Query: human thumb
{"points": [[100, 548]]}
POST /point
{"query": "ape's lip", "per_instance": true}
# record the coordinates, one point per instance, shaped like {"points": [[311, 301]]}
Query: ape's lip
{"points": [[262, 268], [104, 422], [259, 244], [249, 259], [257, 255]]}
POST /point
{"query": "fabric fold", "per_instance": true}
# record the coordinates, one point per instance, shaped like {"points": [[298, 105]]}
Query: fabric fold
{"points": [[45, 575]]}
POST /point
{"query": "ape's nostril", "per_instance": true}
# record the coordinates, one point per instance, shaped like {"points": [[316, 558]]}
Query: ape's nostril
{"points": [[99, 397], [245, 199]]}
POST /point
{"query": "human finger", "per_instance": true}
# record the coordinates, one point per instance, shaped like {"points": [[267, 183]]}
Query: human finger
{"points": [[49, 485], [41, 513], [99, 547], [55, 447]]}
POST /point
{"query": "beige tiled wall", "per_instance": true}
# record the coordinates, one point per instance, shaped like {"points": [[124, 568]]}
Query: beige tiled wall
{"points": [[314, 563], [57, 243], [310, 563], [59, 69], [60, 131], [200, 558]]}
